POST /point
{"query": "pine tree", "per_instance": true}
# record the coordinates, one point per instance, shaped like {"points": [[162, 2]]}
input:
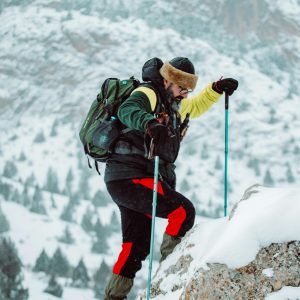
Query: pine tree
{"points": [[54, 128], [5, 190], [13, 138], [87, 223], [296, 150], [37, 205], [4, 286], [59, 264], [52, 181], [100, 244], [67, 237], [67, 214], [204, 152], [185, 186], [194, 198], [39, 138], [210, 208], [75, 198], [69, 182], [101, 278], [26, 199], [218, 164], [80, 160], [219, 210], [273, 118], [53, 204], [100, 230], [268, 180], [189, 172], [190, 151], [114, 223], [10, 272], [22, 156], [286, 126], [84, 185], [10, 169], [101, 199], [31, 180], [254, 164], [4, 224], [54, 288], [289, 174], [42, 263], [2, 278], [16, 197], [80, 277]]}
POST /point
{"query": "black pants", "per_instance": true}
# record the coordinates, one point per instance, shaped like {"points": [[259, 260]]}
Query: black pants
{"points": [[134, 199]]}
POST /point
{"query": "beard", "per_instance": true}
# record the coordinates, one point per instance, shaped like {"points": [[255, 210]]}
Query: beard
{"points": [[173, 101]]}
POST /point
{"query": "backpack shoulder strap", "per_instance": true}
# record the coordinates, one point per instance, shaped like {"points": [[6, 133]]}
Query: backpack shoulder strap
{"points": [[158, 106], [150, 93]]}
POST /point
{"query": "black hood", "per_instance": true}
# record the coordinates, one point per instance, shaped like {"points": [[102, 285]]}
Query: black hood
{"points": [[150, 72]]}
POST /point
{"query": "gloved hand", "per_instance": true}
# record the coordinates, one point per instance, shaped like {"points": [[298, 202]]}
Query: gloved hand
{"points": [[157, 131], [228, 85]]}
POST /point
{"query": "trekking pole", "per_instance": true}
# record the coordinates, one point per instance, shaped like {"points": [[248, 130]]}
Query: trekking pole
{"points": [[226, 154], [156, 163]]}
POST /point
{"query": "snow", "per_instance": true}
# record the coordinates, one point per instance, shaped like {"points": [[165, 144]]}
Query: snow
{"points": [[289, 8], [268, 272], [35, 232], [236, 241], [38, 283], [286, 293]]}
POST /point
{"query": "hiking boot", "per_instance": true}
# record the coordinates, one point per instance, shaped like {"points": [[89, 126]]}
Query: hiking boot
{"points": [[167, 246], [118, 287]]}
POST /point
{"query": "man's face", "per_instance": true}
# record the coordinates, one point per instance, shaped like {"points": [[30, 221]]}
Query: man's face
{"points": [[175, 91]]}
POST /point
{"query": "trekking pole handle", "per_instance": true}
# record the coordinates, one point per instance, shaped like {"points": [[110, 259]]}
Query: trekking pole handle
{"points": [[151, 150], [226, 100]]}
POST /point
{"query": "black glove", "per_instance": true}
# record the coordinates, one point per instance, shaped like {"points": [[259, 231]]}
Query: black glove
{"points": [[228, 85], [157, 131]]}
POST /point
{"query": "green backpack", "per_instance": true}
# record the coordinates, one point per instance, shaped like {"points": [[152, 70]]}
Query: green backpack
{"points": [[101, 128]]}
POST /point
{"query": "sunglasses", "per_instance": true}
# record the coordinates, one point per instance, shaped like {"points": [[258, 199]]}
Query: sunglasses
{"points": [[183, 91]]}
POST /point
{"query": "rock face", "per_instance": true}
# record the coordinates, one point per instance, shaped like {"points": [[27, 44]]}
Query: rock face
{"points": [[274, 267]]}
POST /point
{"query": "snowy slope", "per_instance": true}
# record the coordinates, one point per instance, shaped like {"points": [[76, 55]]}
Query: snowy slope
{"points": [[61, 85], [53, 58], [33, 232]]}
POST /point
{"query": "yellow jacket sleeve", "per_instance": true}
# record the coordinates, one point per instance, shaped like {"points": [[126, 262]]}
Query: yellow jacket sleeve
{"points": [[198, 104]]}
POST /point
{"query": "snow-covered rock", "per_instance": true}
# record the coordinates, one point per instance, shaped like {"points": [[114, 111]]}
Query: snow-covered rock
{"points": [[248, 256]]}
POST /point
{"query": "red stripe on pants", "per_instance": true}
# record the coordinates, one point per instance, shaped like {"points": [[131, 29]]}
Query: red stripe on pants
{"points": [[149, 183], [175, 220], [123, 256]]}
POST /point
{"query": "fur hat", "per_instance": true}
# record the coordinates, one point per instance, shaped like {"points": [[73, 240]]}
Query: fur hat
{"points": [[180, 71]]}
